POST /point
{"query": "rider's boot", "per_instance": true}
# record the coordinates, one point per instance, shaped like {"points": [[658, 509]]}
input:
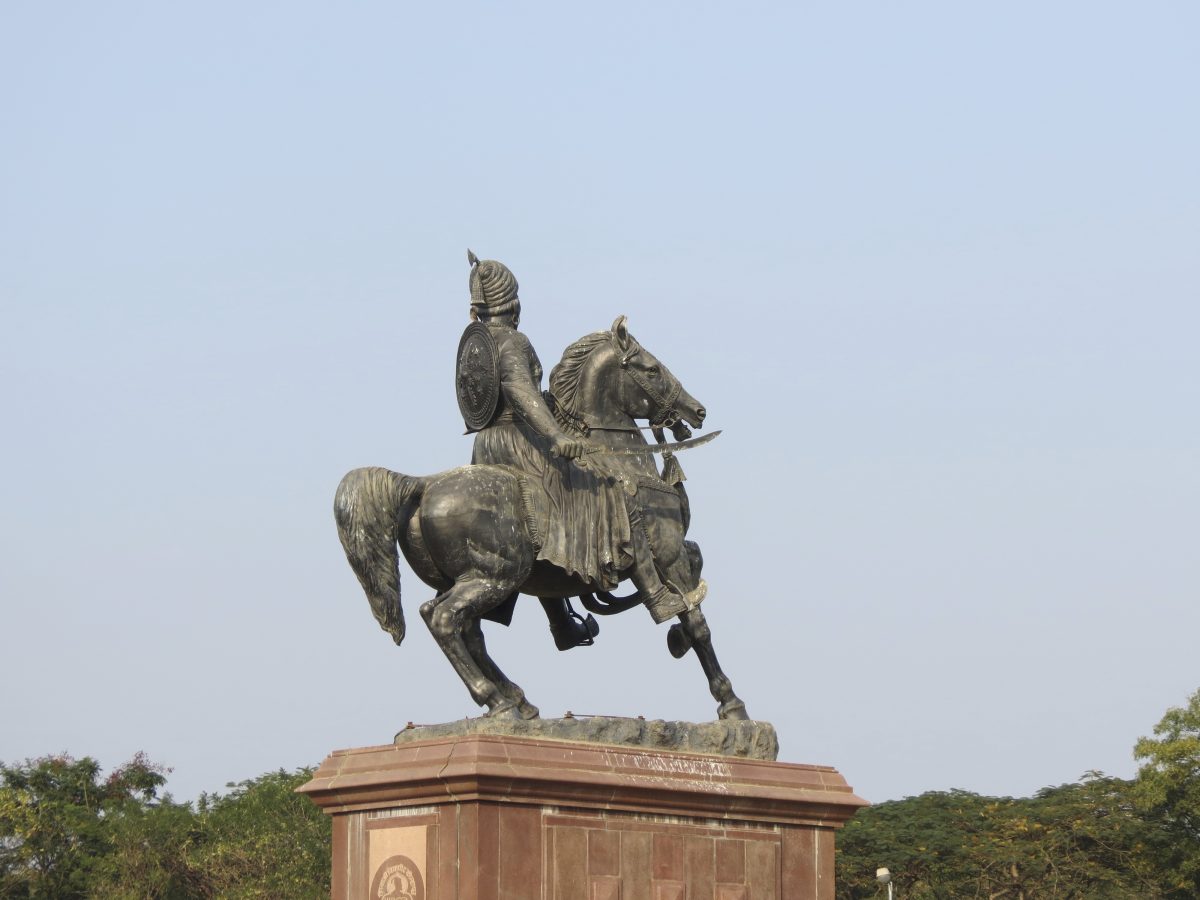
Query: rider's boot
{"points": [[665, 601], [568, 628]]}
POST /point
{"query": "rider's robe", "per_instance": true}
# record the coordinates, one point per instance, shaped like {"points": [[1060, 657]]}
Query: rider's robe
{"points": [[578, 512]]}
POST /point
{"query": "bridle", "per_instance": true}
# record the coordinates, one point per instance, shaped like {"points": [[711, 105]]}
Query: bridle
{"points": [[666, 413]]}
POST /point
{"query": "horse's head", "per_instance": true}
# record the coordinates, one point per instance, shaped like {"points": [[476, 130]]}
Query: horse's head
{"points": [[648, 389], [607, 380]]}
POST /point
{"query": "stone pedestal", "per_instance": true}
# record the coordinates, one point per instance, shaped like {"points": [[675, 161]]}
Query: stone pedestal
{"points": [[493, 817]]}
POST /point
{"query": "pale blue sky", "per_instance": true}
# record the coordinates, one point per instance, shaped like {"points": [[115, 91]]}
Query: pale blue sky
{"points": [[932, 267]]}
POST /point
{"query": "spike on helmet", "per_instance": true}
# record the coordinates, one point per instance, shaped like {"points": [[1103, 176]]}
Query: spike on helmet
{"points": [[493, 287]]}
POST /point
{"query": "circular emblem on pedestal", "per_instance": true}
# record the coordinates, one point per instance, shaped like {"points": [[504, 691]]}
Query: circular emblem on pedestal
{"points": [[477, 376], [397, 878]]}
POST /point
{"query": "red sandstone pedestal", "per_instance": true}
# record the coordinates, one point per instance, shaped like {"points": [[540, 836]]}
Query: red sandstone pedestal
{"points": [[486, 817]]}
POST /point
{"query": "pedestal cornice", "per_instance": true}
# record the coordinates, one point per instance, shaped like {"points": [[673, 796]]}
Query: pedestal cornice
{"points": [[583, 776]]}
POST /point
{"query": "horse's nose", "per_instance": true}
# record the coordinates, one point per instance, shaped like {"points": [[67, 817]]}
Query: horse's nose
{"points": [[701, 412]]}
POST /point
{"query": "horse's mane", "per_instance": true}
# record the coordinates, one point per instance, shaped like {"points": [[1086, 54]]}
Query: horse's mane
{"points": [[564, 377]]}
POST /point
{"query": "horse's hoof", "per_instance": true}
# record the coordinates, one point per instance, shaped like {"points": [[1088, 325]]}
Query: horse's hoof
{"points": [[527, 710], [678, 641], [733, 709], [510, 709]]}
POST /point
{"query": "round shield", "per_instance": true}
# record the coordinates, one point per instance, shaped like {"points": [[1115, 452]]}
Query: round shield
{"points": [[477, 376]]}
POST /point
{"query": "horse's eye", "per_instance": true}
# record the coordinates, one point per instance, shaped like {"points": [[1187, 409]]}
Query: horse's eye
{"points": [[652, 371]]}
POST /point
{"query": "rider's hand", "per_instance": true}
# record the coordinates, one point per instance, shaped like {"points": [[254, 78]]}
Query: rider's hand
{"points": [[567, 448]]}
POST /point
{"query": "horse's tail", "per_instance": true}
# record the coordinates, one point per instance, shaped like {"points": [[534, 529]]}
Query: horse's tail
{"points": [[369, 507]]}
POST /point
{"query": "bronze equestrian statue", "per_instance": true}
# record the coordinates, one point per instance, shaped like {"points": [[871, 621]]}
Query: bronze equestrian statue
{"points": [[562, 499]]}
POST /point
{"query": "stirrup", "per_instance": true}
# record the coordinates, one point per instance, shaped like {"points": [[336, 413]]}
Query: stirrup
{"points": [[567, 639]]}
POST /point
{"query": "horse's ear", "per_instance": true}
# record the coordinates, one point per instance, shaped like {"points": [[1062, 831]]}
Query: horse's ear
{"points": [[620, 330]]}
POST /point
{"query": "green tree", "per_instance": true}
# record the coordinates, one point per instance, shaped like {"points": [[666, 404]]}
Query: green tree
{"points": [[57, 817], [924, 840], [264, 840], [1106, 841], [67, 833], [151, 855], [1167, 790], [1081, 840]]}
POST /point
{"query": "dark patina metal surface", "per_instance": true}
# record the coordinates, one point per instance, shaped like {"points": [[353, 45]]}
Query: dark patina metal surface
{"points": [[477, 377], [564, 500]]}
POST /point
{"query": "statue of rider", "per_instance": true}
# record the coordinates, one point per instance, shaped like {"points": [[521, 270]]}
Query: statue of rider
{"points": [[583, 516]]}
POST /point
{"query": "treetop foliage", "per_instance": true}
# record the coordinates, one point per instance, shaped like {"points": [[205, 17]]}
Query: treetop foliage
{"points": [[67, 833], [1101, 838]]}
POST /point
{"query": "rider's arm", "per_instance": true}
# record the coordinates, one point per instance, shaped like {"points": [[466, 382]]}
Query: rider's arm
{"points": [[517, 384]]}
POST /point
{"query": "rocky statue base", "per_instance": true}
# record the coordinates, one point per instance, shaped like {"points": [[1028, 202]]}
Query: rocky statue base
{"points": [[470, 813], [727, 737]]}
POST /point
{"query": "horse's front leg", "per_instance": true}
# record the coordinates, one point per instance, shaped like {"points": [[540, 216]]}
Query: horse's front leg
{"points": [[695, 627], [693, 633]]}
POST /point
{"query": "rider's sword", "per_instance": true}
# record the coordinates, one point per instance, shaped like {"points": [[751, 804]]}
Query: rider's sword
{"points": [[657, 448]]}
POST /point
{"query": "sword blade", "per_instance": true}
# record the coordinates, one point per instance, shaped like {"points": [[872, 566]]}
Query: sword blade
{"points": [[657, 448]]}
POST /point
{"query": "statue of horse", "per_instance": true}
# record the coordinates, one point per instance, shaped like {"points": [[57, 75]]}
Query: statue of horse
{"points": [[466, 532]]}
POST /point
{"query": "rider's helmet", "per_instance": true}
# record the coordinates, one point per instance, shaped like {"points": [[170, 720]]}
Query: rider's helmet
{"points": [[493, 288]]}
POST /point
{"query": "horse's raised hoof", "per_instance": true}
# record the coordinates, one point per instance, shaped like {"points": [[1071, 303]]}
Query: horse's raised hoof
{"points": [[678, 641], [733, 709]]}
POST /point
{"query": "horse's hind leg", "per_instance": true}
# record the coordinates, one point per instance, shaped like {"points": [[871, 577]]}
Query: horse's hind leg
{"points": [[478, 650], [449, 616]]}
